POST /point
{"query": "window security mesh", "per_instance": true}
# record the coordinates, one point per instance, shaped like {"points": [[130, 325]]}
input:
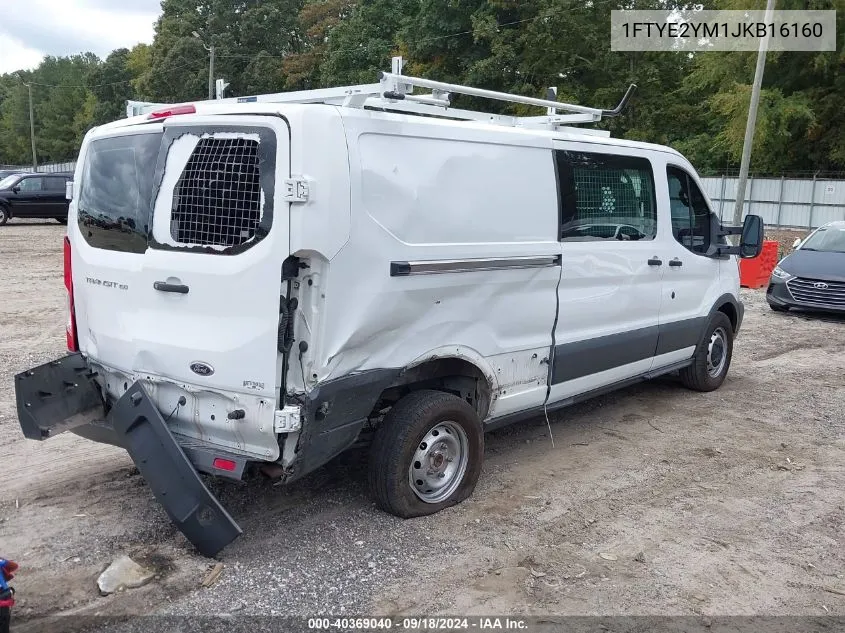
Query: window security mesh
{"points": [[217, 200], [607, 193]]}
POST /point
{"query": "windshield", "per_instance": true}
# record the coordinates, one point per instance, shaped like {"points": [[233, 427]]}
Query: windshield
{"points": [[830, 239], [115, 206], [7, 182]]}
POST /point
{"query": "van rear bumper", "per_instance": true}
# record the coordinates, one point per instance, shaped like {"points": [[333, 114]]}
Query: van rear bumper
{"points": [[62, 396], [56, 397]]}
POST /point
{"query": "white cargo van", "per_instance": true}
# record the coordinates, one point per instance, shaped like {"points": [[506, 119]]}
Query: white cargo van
{"points": [[268, 280]]}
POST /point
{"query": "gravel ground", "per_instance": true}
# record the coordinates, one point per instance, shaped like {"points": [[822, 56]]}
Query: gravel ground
{"points": [[652, 501]]}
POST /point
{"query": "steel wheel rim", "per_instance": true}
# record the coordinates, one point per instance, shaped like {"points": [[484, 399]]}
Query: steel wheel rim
{"points": [[2, 214], [440, 462], [717, 352]]}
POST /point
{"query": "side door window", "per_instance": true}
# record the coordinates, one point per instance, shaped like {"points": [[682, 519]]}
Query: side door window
{"points": [[606, 197], [32, 184], [691, 217]]}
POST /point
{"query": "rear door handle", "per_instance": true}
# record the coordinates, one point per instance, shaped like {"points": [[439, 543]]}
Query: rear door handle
{"points": [[655, 262], [676, 262], [163, 286]]}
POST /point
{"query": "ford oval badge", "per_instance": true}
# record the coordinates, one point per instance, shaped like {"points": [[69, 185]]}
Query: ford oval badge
{"points": [[203, 369]]}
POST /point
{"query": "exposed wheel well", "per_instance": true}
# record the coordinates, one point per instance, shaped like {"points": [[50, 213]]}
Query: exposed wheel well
{"points": [[452, 375], [730, 311]]}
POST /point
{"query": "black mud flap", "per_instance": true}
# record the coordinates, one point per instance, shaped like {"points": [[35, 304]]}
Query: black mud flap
{"points": [[57, 397], [175, 483]]}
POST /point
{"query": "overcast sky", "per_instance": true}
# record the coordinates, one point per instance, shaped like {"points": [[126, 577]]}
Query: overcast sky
{"points": [[31, 29]]}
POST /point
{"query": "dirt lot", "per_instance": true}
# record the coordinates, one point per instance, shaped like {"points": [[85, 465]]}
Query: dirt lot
{"points": [[653, 500]]}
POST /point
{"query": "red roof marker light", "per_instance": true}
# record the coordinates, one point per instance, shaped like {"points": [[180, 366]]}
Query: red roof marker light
{"points": [[173, 111]]}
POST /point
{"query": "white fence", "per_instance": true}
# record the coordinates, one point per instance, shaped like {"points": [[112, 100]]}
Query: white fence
{"points": [[47, 168], [786, 202]]}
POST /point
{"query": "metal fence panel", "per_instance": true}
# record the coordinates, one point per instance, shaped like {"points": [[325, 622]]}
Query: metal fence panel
{"points": [[784, 202], [830, 191], [794, 215]]}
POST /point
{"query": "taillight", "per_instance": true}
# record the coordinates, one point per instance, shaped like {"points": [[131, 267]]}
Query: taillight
{"points": [[72, 343], [173, 111]]}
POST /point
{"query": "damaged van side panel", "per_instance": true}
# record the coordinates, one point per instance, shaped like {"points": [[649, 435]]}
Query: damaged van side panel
{"points": [[478, 205]]}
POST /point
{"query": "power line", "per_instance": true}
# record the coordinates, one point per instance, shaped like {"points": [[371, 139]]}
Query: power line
{"points": [[113, 83]]}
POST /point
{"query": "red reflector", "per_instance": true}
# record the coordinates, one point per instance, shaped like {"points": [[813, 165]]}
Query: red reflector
{"points": [[224, 464], [180, 109]]}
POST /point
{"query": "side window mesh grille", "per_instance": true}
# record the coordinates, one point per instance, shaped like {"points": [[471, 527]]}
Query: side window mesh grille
{"points": [[217, 200]]}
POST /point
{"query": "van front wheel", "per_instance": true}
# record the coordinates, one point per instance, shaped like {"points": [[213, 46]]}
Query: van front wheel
{"points": [[426, 455], [712, 357]]}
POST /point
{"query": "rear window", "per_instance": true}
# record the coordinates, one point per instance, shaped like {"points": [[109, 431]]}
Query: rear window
{"points": [[217, 200], [115, 205]]}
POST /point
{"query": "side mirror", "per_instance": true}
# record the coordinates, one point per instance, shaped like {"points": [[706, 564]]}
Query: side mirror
{"points": [[796, 243], [16, 189], [751, 240]]}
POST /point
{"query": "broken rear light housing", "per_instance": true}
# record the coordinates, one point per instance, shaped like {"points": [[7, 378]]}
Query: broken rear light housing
{"points": [[72, 342]]}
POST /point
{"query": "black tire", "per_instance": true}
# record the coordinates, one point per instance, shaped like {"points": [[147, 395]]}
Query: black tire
{"points": [[702, 376], [777, 308], [4, 215], [398, 441]]}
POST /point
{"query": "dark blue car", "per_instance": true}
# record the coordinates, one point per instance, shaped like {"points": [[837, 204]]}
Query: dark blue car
{"points": [[813, 276]]}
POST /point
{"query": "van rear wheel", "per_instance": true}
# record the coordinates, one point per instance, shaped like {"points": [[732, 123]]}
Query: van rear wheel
{"points": [[426, 455], [712, 357]]}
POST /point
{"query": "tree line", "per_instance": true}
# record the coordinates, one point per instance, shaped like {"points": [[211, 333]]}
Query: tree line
{"points": [[696, 103]]}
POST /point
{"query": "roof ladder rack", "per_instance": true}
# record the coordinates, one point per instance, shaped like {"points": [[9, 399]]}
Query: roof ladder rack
{"points": [[395, 92]]}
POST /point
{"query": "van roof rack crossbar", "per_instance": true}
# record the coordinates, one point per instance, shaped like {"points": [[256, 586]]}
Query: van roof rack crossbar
{"points": [[395, 92]]}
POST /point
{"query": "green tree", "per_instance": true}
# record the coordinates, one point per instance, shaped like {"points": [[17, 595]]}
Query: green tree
{"points": [[250, 37], [316, 21], [362, 45], [798, 121], [696, 103], [110, 84]]}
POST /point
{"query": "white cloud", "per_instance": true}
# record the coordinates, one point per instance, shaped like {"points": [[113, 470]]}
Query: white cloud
{"points": [[31, 29], [15, 55]]}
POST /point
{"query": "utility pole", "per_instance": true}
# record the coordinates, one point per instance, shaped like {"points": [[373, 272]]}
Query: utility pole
{"points": [[32, 130], [31, 124], [751, 123], [210, 49], [210, 73]]}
